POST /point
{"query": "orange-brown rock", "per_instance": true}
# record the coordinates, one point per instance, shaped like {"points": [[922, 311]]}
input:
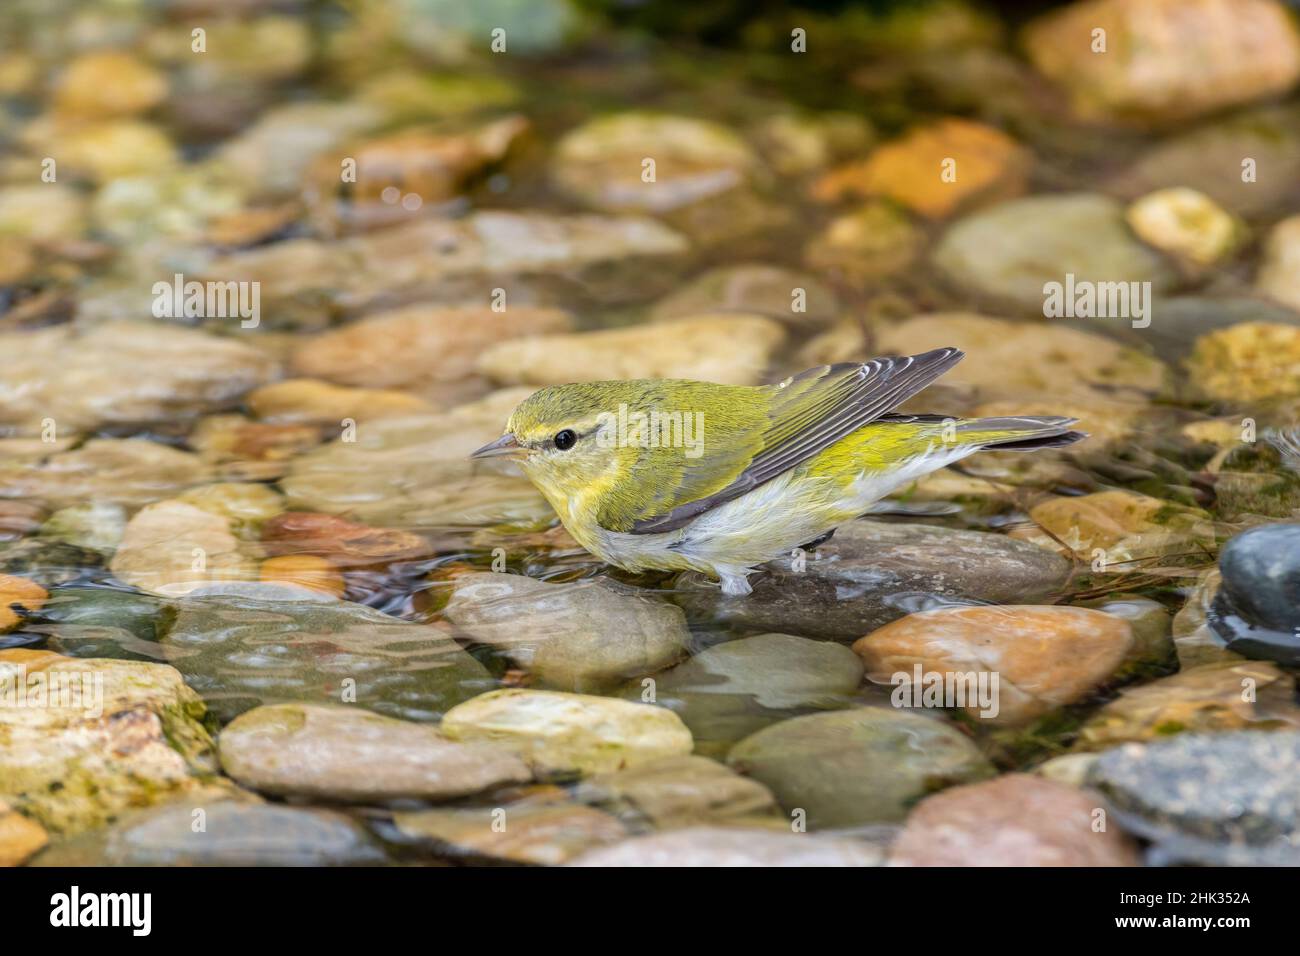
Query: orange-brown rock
{"points": [[1044, 657], [20, 837], [18, 594], [305, 570], [19, 518], [935, 170], [310, 401], [254, 450], [401, 175]]}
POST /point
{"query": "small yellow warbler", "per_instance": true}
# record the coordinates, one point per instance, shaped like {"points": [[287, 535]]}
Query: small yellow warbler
{"points": [[671, 474]]}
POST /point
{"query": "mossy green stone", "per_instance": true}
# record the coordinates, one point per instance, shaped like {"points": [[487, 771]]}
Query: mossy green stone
{"points": [[853, 767], [101, 622], [239, 652], [733, 689]]}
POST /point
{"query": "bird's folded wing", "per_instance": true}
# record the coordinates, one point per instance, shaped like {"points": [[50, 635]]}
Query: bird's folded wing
{"points": [[809, 413]]}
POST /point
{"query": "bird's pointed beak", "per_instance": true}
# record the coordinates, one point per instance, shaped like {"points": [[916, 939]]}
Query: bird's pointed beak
{"points": [[505, 445]]}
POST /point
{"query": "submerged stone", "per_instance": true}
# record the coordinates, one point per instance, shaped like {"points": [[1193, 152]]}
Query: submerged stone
{"points": [[1185, 223], [307, 401], [1194, 640], [1278, 275], [1166, 59], [730, 690], [172, 547], [97, 525], [276, 151], [758, 289], [240, 651], [344, 544], [1185, 319], [715, 846], [126, 471], [101, 622], [1247, 362], [414, 472], [1150, 622], [1209, 158], [1256, 611], [418, 344], [44, 212], [577, 636], [861, 766], [50, 563], [304, 570], [936, 170], [1043, 657], [239, 449], [677, 791], [1013, 820], [431, 165], [866, 246], [108, 83], [451, 260], [1120, 531], [245, 505]]}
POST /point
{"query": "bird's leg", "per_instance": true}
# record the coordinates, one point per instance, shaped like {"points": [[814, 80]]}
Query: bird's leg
{"points": [[735, 585], [815, 543]]}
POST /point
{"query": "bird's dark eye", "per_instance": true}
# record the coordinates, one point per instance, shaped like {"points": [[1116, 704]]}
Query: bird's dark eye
{"points": [[564, 440]]}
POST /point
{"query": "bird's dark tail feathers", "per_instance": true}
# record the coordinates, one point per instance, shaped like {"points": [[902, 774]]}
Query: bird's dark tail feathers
{"points": [[1021, 433]]}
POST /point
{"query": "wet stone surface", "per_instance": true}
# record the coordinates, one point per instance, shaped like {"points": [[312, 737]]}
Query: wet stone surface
{"points": [[1210, 799], [1014, 820], [862, 766], [871, 572], [248, 651], [730, 690]]}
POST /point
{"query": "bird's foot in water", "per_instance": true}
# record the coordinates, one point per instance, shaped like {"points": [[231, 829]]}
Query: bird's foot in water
{"points": [[735, 585]]}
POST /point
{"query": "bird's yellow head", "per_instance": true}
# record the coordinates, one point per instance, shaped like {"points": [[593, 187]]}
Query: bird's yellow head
{"points": [[605, 450], [562, 437]]}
